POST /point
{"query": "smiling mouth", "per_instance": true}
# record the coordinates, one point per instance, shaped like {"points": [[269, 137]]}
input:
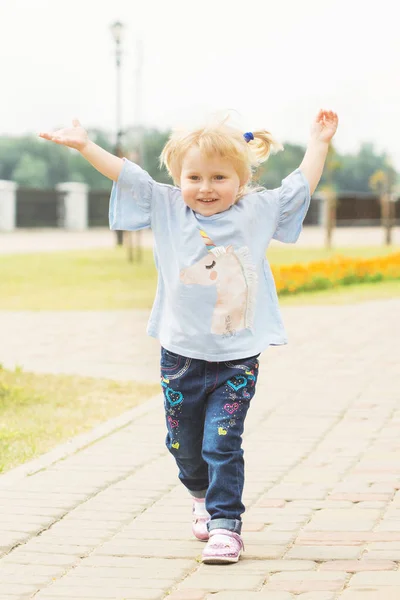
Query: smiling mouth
{"points": [[207, 201]]}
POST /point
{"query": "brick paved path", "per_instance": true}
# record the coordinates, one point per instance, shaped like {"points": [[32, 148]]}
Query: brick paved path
{"points": [[110, 520]]}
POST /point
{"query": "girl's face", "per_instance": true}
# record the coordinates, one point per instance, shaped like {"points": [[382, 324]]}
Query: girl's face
{"points": [[209, 185]]}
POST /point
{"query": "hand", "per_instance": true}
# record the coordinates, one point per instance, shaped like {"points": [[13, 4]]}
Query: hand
{"points": [[73, 137], [324, 127]]}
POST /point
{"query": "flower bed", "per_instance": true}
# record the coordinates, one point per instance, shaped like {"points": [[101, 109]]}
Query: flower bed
{"points": [[320, 275]]}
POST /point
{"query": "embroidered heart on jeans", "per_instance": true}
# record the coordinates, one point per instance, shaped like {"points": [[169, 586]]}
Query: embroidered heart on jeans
{"points": [[236, 383], [175, 445], [172, 422], [246, 394], [250, 375], [231, 408], [173, 397]]}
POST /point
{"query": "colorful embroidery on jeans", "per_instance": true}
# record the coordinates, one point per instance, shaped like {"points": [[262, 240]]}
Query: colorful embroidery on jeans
{"points": [[231, 408], [173, 422], [238, 382], [171, 395]]}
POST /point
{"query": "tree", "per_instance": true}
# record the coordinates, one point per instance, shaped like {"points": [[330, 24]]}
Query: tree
{"points": [[278, 166], [357, 169], [31, 171], [153, 142]]}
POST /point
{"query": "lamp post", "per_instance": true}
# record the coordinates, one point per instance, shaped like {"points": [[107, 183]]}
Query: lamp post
{"points": [[116, 30]]}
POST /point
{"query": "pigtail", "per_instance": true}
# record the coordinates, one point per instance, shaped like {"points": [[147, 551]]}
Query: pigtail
{"points": [[263, 145]]}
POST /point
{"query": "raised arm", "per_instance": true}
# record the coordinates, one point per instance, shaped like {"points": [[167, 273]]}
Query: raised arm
{"points": [[76, 137], [322, 131]]}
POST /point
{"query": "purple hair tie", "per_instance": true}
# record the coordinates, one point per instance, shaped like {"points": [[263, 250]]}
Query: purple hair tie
{"points": [[248, 136]]}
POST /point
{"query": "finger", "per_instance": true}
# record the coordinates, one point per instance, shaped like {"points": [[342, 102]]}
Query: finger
{"points": [[44, 135], [76, 123]]}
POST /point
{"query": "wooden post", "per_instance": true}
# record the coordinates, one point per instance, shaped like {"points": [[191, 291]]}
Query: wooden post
{"points": [[387, 214], [330, 216], [133, 244]]}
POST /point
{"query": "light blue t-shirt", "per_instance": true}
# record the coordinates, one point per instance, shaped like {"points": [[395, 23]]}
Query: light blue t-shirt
{"points": [[216, 298]]}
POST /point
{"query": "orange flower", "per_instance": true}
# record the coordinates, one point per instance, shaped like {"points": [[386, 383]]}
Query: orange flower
{"points": [[339, 270]]}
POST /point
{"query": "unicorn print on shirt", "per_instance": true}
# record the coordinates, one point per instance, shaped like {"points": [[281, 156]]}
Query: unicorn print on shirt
{"points": [[235, 278]]}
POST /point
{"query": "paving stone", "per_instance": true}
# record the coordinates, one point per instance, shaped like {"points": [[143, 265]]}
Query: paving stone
{"points": [[46, 548], [282, 538], [96, 581], [315, 596], [205, 580], [321, 553], [262, 595], [188, 595], [31, 558], [354, 566], [32, 579], [264, 551], [252, 527], [309, 576], [343, 520], [298, 587], [88, 593], [15, 589], [271, 503], [383, 578], [152, 548], [373, 593], [348, 536], [361, 497]]}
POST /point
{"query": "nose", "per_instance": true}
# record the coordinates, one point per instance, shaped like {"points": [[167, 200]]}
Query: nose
{"points": [[205, 186]]}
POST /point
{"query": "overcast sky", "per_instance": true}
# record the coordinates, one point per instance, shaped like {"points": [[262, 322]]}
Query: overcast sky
{"points": [[276, 63]]}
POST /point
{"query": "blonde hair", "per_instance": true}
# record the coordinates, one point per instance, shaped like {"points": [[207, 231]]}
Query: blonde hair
{"points": [[226, 141]]}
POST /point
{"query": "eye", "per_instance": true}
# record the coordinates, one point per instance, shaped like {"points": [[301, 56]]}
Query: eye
{"points": [[212, 265], [220, 177], [193, 177]]}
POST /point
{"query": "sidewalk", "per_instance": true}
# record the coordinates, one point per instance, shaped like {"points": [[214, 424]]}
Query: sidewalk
{"points": [[108, 519], [52, 240]]}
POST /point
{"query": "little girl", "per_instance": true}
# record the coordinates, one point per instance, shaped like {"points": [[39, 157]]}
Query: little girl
{"points": [[216, 306]]}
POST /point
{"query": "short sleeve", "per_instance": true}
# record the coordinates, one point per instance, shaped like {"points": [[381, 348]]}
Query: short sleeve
{"points": [[131, 199], [294, 201]]}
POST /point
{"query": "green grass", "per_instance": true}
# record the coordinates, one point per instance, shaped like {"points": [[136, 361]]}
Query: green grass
{"points": [[40, 411], [105, 280]]}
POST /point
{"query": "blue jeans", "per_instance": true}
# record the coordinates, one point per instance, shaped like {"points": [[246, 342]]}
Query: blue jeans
{"points": [[205, 407]]}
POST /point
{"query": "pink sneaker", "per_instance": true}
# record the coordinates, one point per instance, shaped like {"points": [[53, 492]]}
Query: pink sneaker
{"points": [[199, 526], [223, 547]]}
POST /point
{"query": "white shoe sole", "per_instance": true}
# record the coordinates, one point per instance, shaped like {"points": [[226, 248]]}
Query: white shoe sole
{"points": [[220, 560]]}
